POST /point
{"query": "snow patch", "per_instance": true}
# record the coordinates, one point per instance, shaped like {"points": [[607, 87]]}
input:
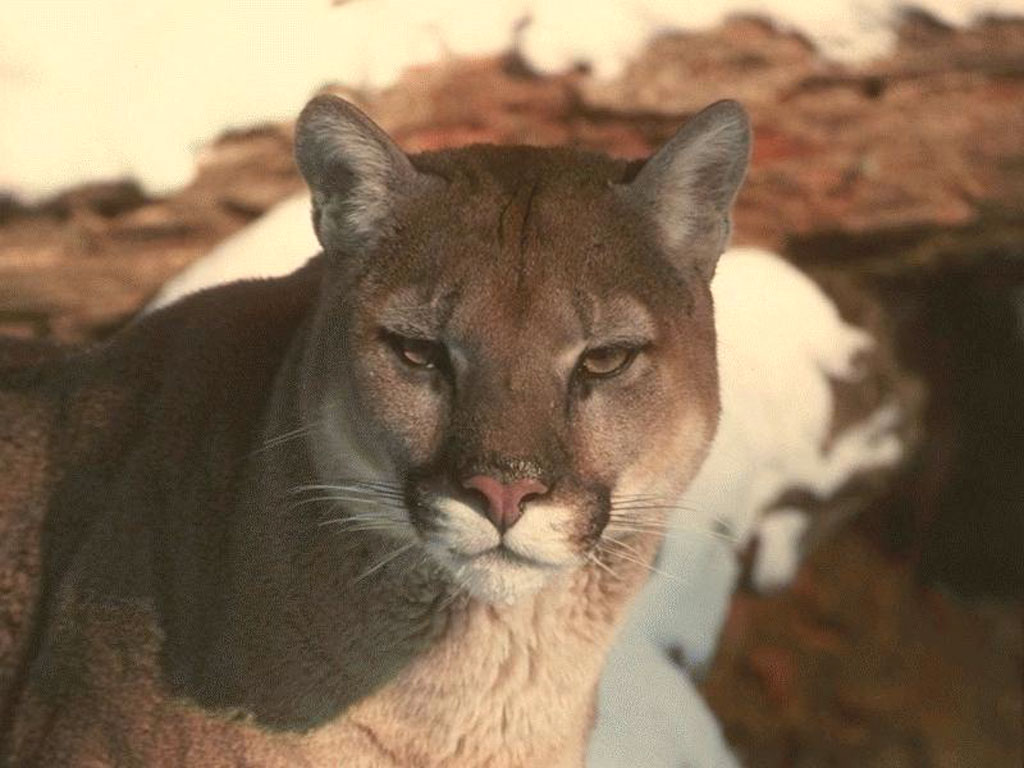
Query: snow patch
{"points": [[277, 243], [778, 550], [114, 89]]}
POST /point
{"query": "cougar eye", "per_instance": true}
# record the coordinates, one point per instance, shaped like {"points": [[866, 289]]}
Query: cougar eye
{"points": [[605, 362], [419, 353]]}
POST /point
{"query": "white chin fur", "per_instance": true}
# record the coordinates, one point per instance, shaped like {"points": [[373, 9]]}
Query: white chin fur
{"points": [[464, 545], [494, 580]]}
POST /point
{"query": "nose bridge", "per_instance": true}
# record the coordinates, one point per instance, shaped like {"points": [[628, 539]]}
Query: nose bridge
{"points": [[509, 423]]}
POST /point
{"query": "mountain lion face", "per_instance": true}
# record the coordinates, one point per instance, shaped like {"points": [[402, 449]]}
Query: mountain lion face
{"points": [[514, 360]]}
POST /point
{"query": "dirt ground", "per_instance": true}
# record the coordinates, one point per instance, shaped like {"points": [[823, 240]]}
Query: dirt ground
{"points": [[900, 644]]}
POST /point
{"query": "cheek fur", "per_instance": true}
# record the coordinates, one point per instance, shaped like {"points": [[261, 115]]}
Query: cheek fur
{"points": [[612, 424], [670, 458], [413, 413], [652, 433]]}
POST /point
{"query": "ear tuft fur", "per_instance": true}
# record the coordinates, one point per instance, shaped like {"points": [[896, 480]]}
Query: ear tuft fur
{"points": [[353, 169], [689, 185]]}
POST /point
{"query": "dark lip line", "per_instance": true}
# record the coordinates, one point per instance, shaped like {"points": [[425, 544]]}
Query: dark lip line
{"points": [[502, 551]]}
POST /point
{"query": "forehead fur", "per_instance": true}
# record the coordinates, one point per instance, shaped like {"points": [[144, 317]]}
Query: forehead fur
{"points": [[525, 222], [506, 168]]}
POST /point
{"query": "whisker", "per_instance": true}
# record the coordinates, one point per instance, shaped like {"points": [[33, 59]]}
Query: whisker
{"points": [[462, 587], [636, 528], [625, 546], [636, 507], [383, 500], [377, 483], [373, 488], [383, 484], [351, 487], [369, 515], [287, 437], [340, 522], [673, 531], [632, 522], [640, 523], [603, 565], [625, 555], [365, 529], [627, 514], [357, 493], [339, 499], [384, 561]]}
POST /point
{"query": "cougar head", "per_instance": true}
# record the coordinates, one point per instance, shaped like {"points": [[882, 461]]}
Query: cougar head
{"points": [[515, 346]]}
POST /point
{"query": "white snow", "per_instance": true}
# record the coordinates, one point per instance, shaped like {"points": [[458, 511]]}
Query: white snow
{"points": [[112, 89], [778, 554], [277, 243], [651, 714]]}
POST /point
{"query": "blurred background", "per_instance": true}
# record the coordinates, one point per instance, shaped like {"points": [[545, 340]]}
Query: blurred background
{"points": [[888, 166]]}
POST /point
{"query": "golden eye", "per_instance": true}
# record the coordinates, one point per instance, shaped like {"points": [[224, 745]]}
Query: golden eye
{"points": [[605, 362], [418, 353]]}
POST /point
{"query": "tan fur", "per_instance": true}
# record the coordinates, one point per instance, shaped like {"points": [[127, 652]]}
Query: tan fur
{"points": [[174, 595]]}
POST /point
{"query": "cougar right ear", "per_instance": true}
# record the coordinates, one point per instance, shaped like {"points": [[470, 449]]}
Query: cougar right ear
{"points": [[688, 186], [354, 170]]}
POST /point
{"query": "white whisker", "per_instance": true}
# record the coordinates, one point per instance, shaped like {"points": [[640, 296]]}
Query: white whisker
{"points": [[350, 488], [365, 516], [286, 437], [384, 561], [635, 507], [625, 555], [354, 499], [339, 524], [461, 588], [603, 565], [670, 531], [389, 484]]}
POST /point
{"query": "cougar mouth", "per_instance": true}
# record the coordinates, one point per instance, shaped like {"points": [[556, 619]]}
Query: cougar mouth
{"points": [[501, 554], [490, 564]]}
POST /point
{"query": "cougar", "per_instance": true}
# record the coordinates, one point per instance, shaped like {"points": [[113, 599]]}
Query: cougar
{"points": [[385, 511]]}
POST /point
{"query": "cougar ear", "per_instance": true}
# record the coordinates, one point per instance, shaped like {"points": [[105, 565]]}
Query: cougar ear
{"points": [[354, 170], [688, 185]]}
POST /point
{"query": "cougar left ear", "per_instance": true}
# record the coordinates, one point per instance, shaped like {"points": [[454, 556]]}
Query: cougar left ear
{"points": [[354, 170], [688, 185]]}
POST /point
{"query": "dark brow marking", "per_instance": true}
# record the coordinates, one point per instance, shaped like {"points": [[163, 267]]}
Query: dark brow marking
{"points": [[583, 304], [521, 269], [501, 220]]}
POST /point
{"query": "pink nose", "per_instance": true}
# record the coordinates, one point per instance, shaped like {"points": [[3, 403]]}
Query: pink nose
{"points": [[504, 500]]}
